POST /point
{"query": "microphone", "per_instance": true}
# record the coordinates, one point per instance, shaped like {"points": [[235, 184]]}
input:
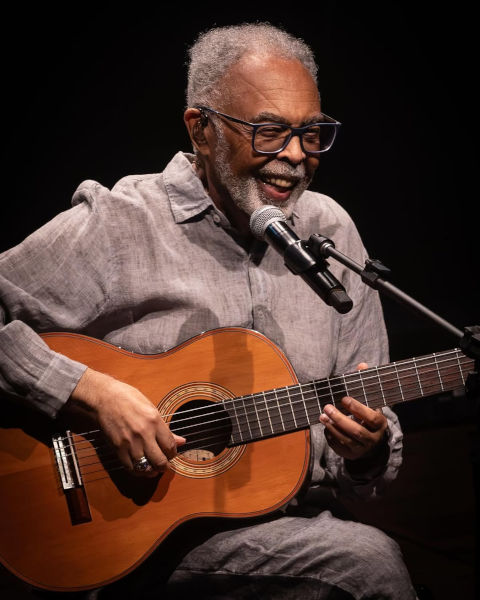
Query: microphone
{"points": [[269, 223]]}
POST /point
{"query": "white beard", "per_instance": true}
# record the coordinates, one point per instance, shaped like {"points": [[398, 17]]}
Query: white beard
{"points": [[245, 191]]}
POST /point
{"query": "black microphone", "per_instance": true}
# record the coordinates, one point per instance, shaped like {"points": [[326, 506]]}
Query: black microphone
{"points": [[269, 223]]}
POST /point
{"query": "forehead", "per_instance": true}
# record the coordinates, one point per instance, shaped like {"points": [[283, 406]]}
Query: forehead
{"points": [[276, 85]]}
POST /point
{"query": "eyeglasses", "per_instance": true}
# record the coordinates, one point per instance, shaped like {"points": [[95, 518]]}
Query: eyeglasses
{"points": [[271, 138]]}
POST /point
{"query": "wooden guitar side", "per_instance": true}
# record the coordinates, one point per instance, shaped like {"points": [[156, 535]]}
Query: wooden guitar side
{"points": [[130, 516]]}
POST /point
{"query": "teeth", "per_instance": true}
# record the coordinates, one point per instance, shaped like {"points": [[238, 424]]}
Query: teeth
{"points": [[279, 182]]}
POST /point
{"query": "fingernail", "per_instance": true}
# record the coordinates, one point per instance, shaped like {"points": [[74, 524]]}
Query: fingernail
{"points": [[328, 409], [179, 438], [324, 419]]}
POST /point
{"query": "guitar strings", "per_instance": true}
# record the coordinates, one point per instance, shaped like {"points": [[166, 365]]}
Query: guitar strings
{"points": [[204, 446], [197, 441], [359, 376], [289, 404], [266, 421], [115, 460], [263, 420]]}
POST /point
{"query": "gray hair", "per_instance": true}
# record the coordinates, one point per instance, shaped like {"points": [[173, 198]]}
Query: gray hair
{"points": [[219, 48]]}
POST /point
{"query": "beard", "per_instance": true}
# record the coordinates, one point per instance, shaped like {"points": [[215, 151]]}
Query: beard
{"points": [[246, 191]]}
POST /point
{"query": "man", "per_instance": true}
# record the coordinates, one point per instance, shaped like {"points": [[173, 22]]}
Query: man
{"points": [[161, 258]]}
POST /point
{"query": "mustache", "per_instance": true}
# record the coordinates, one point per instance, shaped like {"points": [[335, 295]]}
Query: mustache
{"points": [[278, 167]]}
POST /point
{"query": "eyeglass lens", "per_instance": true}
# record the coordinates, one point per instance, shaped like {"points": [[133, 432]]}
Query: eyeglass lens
{"points": [[272, 138]]}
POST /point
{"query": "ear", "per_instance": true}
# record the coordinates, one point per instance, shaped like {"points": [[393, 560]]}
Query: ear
{"points": [[196, 122]]}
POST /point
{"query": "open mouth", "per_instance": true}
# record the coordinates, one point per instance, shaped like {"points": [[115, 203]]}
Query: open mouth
{"points": [[277, 187], [282, 183]]}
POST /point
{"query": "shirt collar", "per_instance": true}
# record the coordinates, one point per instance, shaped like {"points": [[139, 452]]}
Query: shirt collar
{"points": [[186, 193], [185, 190]]}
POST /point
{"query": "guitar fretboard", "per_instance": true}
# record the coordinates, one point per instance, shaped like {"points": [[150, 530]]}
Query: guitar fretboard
{"points": [[295, 407]]}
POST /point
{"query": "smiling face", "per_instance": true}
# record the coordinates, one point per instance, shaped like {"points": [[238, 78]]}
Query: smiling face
{"points": [[259, 89]]}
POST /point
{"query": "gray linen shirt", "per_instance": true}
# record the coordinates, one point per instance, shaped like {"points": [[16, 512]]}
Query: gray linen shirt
{"points": [[152, 263]]}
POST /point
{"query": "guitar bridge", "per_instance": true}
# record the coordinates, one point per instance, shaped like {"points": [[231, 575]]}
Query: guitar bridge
{"points": [[71, 478]]}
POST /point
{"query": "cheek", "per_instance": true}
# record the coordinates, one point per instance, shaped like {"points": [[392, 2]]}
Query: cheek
{"points": [[311, 165], [244, 162]]}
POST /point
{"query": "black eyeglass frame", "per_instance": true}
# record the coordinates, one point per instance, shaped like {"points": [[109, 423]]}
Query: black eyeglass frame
{"points": [[293, 130]]}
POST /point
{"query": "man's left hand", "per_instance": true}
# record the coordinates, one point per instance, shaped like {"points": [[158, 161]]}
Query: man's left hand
{"points": [[354, 438]]}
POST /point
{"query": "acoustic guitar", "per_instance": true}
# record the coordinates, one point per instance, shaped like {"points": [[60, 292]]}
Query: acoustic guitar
{"points": [[73, 519]]}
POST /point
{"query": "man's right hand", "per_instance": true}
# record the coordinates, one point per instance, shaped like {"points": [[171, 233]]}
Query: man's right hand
{"points": [[128, 419]]}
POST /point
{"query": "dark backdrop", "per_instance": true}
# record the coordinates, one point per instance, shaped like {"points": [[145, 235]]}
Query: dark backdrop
{"points": [[98, 92]]}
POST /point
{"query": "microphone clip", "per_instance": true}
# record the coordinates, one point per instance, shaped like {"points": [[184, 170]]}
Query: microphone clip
{"points": [[330, 289]]}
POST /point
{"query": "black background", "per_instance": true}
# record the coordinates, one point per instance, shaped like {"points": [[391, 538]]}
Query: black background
{"points": [[98, 93]]}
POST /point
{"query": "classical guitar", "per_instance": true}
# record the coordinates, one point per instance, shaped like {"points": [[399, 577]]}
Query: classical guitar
{"points": [[73, 519]]}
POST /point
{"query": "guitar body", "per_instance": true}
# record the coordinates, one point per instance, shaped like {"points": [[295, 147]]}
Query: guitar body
{"points": [[127, 517]]}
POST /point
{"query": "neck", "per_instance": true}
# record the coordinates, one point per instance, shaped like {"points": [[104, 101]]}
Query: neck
{"points": [[275, 412], [238, 219]]}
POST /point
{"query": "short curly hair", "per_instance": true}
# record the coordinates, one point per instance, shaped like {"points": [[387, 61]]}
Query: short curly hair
{"points": [[219, 48]]}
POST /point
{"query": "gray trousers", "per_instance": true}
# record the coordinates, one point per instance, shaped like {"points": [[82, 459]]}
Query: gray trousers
{"points": [[311, 555]]}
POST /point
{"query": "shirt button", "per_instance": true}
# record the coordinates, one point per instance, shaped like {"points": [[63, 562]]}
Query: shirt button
{"points": [[216, 218]]}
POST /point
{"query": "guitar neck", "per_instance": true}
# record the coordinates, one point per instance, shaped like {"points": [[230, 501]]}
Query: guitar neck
{"points": [[283, 410]]}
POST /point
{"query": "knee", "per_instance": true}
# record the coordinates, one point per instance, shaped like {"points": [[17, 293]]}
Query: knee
{"points": [[379, 564], [376, 547]]}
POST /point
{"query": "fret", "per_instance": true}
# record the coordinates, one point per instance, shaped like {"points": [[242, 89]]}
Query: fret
{"points": [[337, 388], [237, 421], [315, 388], [311, 401], [399, 382], [460, 367], [381, 387], [268, 414], [411, 387], [244, 425], [332, 397], [258, 420], [290, 404], [429, 375], [452, 372], [438, 371], [418, 376], [294, 407], [273, 410], [247, 418], [300, 408], [372, 381], [391, 387], [360, 378], [279, 410], [286, 410]]}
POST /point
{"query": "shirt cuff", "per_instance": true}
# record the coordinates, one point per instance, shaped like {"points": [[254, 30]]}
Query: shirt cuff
{"points": [[30, 370], [374, 480]]}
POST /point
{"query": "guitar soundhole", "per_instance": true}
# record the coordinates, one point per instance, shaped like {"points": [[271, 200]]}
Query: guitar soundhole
{"points": [[206, 426]]}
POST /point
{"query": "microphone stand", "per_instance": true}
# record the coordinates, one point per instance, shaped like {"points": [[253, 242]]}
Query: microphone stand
{"points": [[374, 274]]}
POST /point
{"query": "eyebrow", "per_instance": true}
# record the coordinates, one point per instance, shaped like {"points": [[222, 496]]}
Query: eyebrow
{"points": [[266, 116]]}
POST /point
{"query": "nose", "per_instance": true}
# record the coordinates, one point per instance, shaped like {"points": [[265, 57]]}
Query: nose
{"points": [[293, 151]]}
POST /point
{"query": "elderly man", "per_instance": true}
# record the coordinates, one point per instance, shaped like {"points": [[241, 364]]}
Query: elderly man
{"points": [[161, 258]]}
